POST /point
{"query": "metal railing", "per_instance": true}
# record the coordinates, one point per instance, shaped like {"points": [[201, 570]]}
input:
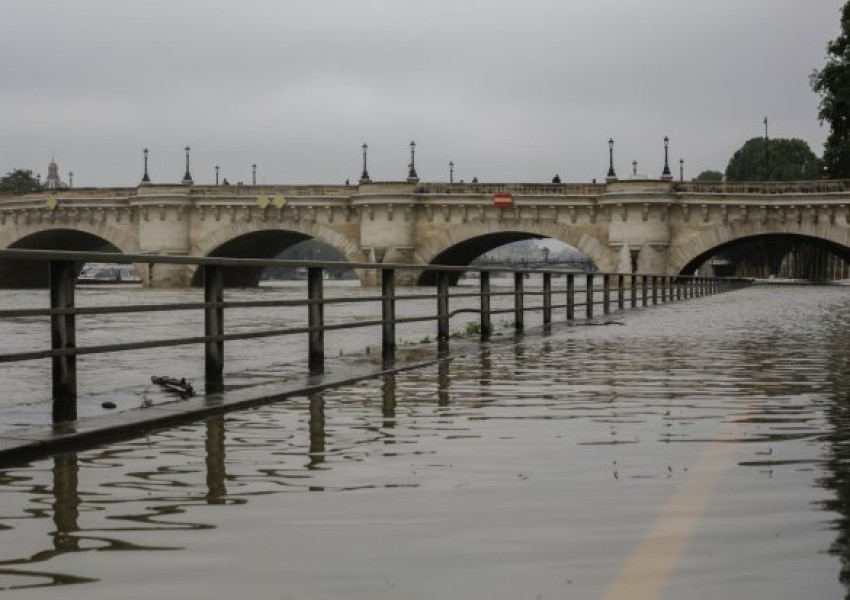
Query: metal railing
{"points": [[618, 291]]}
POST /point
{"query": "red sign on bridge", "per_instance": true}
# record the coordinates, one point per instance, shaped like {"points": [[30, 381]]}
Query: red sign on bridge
{"points": [[503, 200]]}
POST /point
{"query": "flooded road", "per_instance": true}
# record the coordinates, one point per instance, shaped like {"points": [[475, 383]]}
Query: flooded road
{"points": [[694, 450]]}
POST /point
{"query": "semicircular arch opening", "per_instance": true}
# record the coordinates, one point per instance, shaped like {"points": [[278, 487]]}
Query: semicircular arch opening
{"points": [[272, 243], [775, 255], [510, 249], [29, 274]]}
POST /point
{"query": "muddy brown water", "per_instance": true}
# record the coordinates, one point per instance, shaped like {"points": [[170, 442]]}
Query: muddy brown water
{"points": [[693, 450]]}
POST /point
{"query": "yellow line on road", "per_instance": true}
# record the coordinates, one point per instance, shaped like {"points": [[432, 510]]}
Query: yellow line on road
{"points": [[647, 570]]}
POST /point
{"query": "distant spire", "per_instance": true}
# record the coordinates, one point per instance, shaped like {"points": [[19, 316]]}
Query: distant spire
{"points": [[53, 181]]}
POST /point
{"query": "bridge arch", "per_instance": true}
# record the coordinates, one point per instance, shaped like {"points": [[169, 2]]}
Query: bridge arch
{"points": [[687, 255], [461, 244], [262, 240], [37, 235], [22, 274]]}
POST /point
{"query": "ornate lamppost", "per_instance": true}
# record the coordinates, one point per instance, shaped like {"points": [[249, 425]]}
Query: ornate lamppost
{"points": [[187, 178], [216, 174], [612, 176], [451, 171], [364, 177], [766, 153], [681, 169], [254, 174], [146, 178], [411, 175], [665, 174], [70, 179]]}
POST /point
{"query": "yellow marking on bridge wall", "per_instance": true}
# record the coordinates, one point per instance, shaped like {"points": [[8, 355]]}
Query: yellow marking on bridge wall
{"points": [[648, 569]]}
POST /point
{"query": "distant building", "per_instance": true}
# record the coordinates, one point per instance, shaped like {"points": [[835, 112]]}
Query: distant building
{"points": [[53, 181]]}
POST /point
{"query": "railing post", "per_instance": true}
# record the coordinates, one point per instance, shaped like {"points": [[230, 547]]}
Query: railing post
{"points": [[644, 289], [621, 292], [571, 297], [315, 320], [442, 309], [213, 326], [519, 298], [486, 317], [654, 290], [678, 288], [633, 285], [63, 336], [606, 294], [388, 315], [547, 298], [588, 294]]}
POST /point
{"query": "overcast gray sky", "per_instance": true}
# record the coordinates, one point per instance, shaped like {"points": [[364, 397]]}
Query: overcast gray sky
{"points": [[510, 90]]}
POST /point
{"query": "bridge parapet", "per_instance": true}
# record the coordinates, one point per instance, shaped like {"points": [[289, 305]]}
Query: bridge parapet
{"points": [[252, 191], [524, 189], [764, 187]]}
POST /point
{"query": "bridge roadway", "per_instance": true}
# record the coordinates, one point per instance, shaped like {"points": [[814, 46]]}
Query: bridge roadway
{"points": [[657, 226]]}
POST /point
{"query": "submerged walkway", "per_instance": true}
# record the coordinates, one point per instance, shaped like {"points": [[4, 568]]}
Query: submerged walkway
{"points": [[24, 441], [683, 451]]}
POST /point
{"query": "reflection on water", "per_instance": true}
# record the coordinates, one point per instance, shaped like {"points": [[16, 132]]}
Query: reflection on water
{"points": [[518, 472]]}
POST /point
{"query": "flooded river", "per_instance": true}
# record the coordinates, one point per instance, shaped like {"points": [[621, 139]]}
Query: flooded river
{"points": [[697, 450]]}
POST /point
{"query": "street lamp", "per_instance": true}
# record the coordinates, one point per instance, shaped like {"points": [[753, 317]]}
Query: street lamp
{"points": [[411, 175], [634, 167], [254, 174], [70, 179], [187, 178], [665, 174], [766, 153], [364, 177], [611, 174], [216, 174], [681, 169], [451, 171], [145, 177]]}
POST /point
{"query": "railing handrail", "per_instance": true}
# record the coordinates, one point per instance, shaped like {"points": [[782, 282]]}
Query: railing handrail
{"points": [[185, 259], [63, 268]]}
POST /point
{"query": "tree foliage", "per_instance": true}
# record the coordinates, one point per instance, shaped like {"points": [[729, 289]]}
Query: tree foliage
{"points": [[19, 181], [709, 175], [785, 160], [833, 84]]}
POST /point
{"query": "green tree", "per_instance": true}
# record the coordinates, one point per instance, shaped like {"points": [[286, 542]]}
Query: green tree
{"points": [[833, 84], [786, 160], [709, 176], [19, 181]]}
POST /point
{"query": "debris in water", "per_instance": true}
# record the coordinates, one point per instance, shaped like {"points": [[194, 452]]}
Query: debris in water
{"points": [[108, 404], [172, 384]]}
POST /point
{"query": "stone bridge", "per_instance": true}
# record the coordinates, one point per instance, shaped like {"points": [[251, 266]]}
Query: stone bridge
{"points": [[657, 226]]}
